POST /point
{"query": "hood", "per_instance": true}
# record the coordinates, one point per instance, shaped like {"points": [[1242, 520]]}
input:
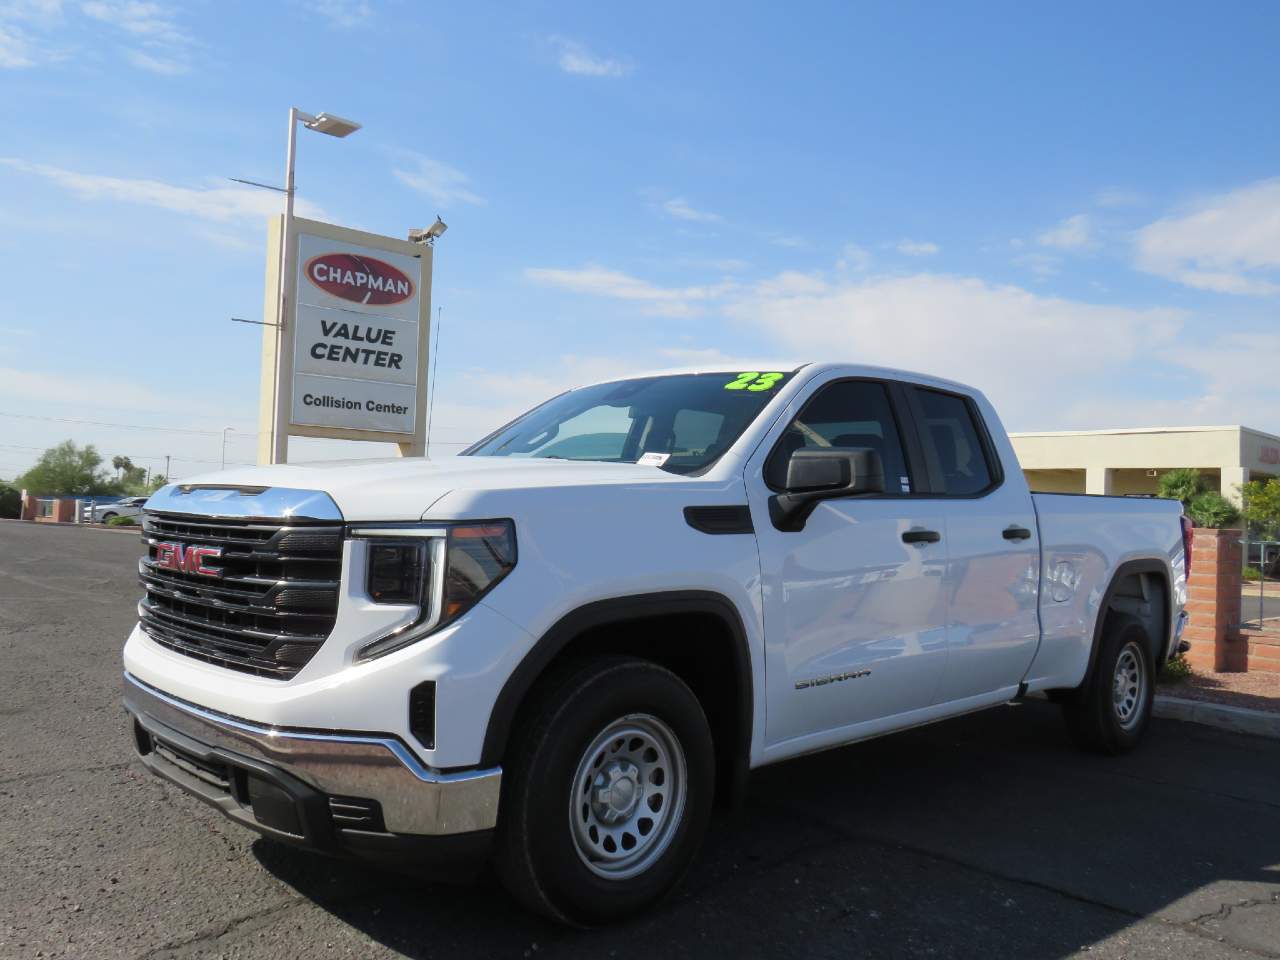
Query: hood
{"points": [[404, 488]]}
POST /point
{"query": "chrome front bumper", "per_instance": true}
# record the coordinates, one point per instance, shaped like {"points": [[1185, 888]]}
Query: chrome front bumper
{"points": [[414, 799]]}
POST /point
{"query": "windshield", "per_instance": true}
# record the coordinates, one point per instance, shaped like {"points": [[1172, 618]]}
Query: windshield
{"points": [[681, 423]]}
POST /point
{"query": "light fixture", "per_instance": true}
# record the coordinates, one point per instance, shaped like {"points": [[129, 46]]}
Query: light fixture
{"points": [[429, 234], [330, 124]]}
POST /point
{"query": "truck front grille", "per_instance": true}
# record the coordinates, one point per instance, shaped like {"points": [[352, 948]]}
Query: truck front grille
{"points": [[264, 605]]}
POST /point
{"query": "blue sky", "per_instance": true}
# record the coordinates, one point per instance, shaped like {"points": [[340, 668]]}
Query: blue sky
{"points": [[1076, 209]]}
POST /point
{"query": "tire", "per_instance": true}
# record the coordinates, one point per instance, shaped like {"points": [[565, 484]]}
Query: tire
{"points": [[106, 517], [1109, 714], [607, 792]]}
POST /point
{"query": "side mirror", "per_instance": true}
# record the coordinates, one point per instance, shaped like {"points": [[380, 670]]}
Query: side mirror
{"points": [[814, 475]]}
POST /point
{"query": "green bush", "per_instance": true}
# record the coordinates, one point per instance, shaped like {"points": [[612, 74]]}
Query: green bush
{"points": [[1211, 509], [122, 522], [1175, 670], [1183, 484], [1251, 573]]}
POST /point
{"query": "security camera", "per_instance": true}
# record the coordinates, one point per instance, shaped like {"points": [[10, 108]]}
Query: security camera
{"points": [[429, 234]]}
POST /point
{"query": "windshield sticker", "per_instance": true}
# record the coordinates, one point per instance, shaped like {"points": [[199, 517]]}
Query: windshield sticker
{"points": [[653, 459], [754, 380]]}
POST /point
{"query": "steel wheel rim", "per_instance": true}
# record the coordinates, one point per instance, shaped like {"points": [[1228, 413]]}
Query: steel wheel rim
{"points": [[1129, 685], [627, 797]]}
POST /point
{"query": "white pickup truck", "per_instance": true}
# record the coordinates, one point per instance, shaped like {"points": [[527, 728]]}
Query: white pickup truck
{"points": [[560, 650]]}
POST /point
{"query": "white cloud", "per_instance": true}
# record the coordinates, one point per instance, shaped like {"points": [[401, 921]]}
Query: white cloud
{"points": [[603, 282], [215, 203], [1116, 197], [1072, 233], [439, 182], [156, 42], [87, 392], [995, 337], [16, 48], [679, 208], [1229, 244], [1226, 385], [575, 58], [1041, 264], [788, 241], [916, 248], [160, 65], [343, 14], [19, 46], [854, 257], [149, 21]]}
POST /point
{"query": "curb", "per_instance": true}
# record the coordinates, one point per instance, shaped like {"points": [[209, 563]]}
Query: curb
{"points": [[1236, 719]]}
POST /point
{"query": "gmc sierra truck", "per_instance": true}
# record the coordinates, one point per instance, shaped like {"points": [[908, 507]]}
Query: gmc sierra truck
{"points": [[558, 651]]}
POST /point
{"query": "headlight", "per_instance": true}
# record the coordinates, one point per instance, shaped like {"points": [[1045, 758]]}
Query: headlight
{"points": [[396, 572], [445, 571]]}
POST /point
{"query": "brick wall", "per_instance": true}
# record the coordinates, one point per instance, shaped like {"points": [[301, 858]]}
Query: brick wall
{"points": [[1213, 603], [1263, 649]]}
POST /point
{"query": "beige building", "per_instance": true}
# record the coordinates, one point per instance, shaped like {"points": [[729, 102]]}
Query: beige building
{"points": [[1131, 461]]}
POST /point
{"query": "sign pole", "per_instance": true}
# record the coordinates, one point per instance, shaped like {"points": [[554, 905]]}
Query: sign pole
{"points": [[280, 435]]}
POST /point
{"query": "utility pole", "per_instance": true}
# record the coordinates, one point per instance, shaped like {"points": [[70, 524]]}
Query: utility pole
{"points": [[166, 468]]}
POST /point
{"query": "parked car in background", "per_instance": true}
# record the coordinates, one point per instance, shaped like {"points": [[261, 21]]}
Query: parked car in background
{"points": [[128, 507]]}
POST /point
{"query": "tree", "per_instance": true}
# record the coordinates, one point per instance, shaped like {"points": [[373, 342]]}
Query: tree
{"points": [[1205, 507], [1182, 484], [10, 501], [133, 481], [66, 469], [1212, 509], [121, 465], [1262, 507]]}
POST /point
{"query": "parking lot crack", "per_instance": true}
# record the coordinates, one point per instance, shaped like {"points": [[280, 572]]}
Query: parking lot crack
{"points": [[185, 946]]}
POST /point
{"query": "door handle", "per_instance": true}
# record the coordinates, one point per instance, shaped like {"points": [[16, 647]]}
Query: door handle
{"points": [[1017, 533], [921, 536]]}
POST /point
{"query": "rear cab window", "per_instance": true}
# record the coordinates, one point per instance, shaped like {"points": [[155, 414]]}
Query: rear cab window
{"points": [[956, 443]]}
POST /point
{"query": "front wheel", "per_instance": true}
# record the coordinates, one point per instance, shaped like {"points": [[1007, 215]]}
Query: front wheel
{"points": [[1110, 712], [607, 793]]}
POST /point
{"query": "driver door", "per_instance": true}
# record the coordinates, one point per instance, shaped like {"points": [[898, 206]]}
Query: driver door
{"points": [[855, 615]]}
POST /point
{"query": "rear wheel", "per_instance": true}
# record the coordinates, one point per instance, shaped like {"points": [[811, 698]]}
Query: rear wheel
{"points": [[607, 793], [1110, 712], [108, 516]]}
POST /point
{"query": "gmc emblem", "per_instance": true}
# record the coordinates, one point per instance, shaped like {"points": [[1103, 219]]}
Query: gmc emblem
{"points": [[188, 559]]}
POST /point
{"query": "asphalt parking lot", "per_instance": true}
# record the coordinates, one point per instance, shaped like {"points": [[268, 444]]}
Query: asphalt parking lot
{"points": [[989, 836]]}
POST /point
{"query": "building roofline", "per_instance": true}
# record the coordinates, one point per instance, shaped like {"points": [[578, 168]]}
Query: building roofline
{"points": [[1124, 430]]}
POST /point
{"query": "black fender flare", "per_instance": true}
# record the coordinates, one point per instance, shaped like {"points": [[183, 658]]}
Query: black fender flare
{"points": [[1127, 569], [619, 610]]}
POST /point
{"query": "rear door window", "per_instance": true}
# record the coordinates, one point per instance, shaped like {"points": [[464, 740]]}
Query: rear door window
{"points": [[954, 439]]}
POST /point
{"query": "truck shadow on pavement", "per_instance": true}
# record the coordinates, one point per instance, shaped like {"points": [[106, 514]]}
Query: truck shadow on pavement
{"points": [[986, 836]]}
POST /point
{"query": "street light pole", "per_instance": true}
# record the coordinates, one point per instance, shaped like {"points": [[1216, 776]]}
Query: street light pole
{"points": [[224, 445], [333, 126]]}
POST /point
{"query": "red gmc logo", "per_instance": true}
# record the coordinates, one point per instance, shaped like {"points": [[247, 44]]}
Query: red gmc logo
{"points": [[188, 559], [359, 279]]}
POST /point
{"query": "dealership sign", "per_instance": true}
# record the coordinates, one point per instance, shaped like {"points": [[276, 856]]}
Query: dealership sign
{"points": [[365, 280], [356, 332], [348, 359]]}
